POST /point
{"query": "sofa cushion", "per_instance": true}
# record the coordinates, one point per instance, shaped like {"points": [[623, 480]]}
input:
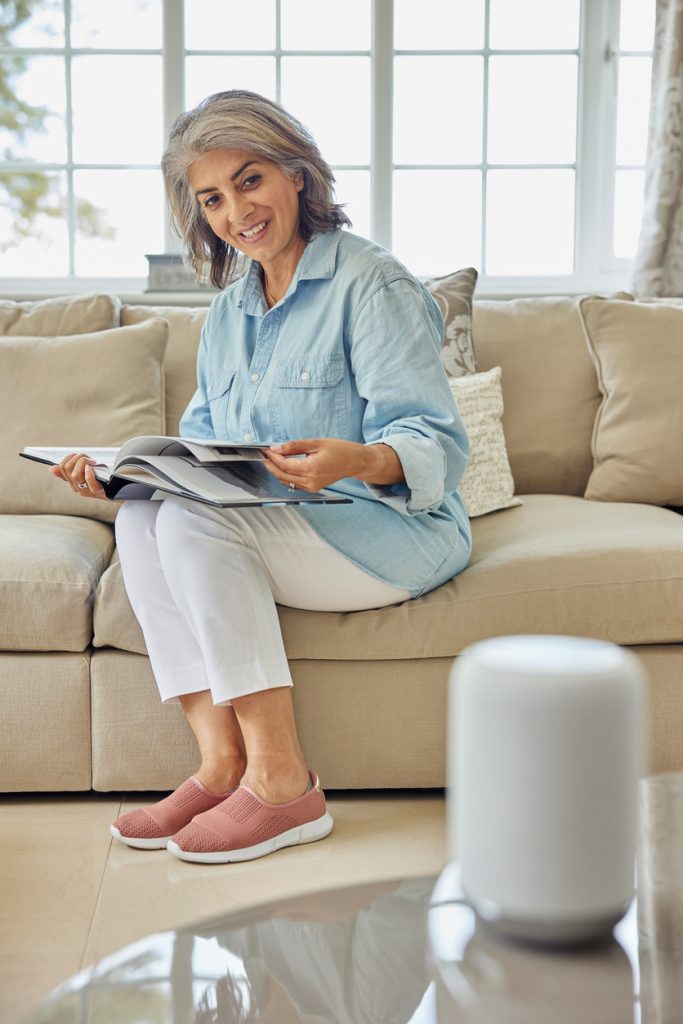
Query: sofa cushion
{"points": [[83, 390], [453, 294], [184, 331], [49, 569], [487, 483], [550, 389], [78, 314], [557, 564], [638, 433]]}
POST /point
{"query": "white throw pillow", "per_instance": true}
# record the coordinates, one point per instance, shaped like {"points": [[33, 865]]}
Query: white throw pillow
{"points": [[487, 484]]}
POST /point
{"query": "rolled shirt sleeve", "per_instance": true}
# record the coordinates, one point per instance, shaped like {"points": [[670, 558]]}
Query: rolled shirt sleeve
{"points": [[394, 351]]}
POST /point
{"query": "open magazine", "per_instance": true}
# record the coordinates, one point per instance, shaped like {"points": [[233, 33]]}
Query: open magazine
{"points": [[221, 473]]}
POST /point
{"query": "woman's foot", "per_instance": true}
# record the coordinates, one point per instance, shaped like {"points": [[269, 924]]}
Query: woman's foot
{"points": [[150, 828], [245, 826]]}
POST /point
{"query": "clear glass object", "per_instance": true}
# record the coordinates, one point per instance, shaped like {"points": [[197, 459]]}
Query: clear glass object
{"points": [[208, 74], [427, 130], [532, 109], [352, 188], [311, 25], [122, 124], [39, 25], [633, 109], [331, 96], [437, 220], [41, 135], [530, 222], [132, 217], [534, 24], [438, 25], [637, 24], [628, 211], [43, 251], [229, 24], [126, 24]]}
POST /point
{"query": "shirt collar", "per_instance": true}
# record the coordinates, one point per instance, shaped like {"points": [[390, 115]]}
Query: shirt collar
{"points": [[318, 261]]}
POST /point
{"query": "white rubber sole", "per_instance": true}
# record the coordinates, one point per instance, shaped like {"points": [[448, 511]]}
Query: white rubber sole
{"points": [[308, 833], [140, 844]]}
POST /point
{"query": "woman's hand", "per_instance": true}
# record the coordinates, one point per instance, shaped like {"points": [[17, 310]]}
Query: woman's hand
{"points": [[329, 459], [77, 471]]}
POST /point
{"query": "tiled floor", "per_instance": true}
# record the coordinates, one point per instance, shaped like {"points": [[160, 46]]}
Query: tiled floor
{"points": [[70, 895]]}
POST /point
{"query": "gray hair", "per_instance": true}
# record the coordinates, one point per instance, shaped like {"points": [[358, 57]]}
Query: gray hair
{"points": [[239, 119]]}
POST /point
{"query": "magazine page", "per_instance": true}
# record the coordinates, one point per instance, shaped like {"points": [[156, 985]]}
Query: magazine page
{"points": [[203, 451]]}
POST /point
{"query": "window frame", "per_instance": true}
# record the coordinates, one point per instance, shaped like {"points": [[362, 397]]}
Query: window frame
{"points": [[595, 268]]}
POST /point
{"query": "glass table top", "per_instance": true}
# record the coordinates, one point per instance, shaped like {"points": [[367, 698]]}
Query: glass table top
{"points": [[407, 951]]}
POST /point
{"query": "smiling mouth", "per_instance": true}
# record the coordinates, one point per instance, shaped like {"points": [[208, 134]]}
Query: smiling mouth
{"points": [[254, 232]]}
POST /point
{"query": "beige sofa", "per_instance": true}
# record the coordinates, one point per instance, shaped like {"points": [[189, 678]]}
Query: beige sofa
{"points": [[78, 702]]}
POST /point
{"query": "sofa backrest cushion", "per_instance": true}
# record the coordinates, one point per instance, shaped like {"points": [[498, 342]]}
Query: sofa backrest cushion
{"points": [[638, 435], [77, 314], [78, 391], [550, 389], [185, 327]]}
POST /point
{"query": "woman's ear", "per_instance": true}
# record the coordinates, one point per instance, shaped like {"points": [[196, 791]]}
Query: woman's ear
{"points": [[299, 181]]}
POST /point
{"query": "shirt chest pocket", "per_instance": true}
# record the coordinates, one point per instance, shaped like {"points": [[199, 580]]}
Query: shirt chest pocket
{"points": [[309, 398], [218, 393]]}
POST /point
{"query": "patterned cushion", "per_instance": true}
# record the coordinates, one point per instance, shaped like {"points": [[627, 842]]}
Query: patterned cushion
{"points": [[454, 295], [487, 484]]}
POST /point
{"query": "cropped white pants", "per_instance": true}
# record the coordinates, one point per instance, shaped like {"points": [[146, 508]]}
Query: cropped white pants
{"points": [[204, 582]]}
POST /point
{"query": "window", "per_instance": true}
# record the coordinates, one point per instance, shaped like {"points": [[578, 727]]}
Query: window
{"points": [[505, 134]]}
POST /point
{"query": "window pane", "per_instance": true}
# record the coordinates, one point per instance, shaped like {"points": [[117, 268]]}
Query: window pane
{"points": [[338, 117], [310, 25], [437, 220], [637, 25], [33, 25], [353, 189], [116, 125], [33, 244], [628, 211], [534, 24], [439, 25], [428, 129], [633, 109], [206, 75], [532, 110], [230, 25], [128, 222], [34, 110], [530, 222], [126, 24]]}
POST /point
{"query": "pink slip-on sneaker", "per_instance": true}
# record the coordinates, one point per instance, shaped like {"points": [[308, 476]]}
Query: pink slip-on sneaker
{"points": [[245, 827], [151, 827]]}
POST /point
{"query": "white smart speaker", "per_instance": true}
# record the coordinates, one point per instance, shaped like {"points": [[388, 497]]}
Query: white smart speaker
{"points": [[547, 741]]}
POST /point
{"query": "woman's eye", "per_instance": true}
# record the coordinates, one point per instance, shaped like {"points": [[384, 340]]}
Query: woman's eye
{"points": [[253, 179], [210, 201]]}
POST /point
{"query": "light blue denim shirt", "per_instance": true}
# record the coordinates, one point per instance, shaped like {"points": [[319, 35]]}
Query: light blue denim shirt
{"points": [[351, 351]]}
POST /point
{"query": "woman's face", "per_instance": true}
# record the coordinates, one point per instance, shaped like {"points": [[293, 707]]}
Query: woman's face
{"points": [[250, 203]]}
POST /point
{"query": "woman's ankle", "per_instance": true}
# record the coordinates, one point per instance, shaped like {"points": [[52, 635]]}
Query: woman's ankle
{"points": [[276, 783], [220, 776]]}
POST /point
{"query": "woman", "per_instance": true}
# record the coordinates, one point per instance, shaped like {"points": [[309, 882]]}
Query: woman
{"points": [[326, 349]]}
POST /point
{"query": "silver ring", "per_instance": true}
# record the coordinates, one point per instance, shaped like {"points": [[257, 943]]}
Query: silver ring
{"points": [[291, 486], [82, 486]]}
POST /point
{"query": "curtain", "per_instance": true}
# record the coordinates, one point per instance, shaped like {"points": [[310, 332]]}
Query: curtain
{"points": [[658, 264]]}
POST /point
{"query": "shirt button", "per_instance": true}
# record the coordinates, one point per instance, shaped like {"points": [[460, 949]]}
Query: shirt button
{"points": [[255, 376], [305, 375], [247, 437]]}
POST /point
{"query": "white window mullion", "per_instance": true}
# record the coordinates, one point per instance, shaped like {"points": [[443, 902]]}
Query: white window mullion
{"points": [[70, 194], [596, 138], [382, 121], [173, 58]]}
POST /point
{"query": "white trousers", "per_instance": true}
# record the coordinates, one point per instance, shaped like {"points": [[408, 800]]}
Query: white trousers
{"points": [[204, 582]]}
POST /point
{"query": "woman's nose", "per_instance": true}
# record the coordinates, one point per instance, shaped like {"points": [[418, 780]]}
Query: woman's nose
{"points": [[239, 210]]}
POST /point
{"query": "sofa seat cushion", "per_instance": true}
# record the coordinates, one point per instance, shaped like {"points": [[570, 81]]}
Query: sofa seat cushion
{"points": [[557, 564], [49, 570]]}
